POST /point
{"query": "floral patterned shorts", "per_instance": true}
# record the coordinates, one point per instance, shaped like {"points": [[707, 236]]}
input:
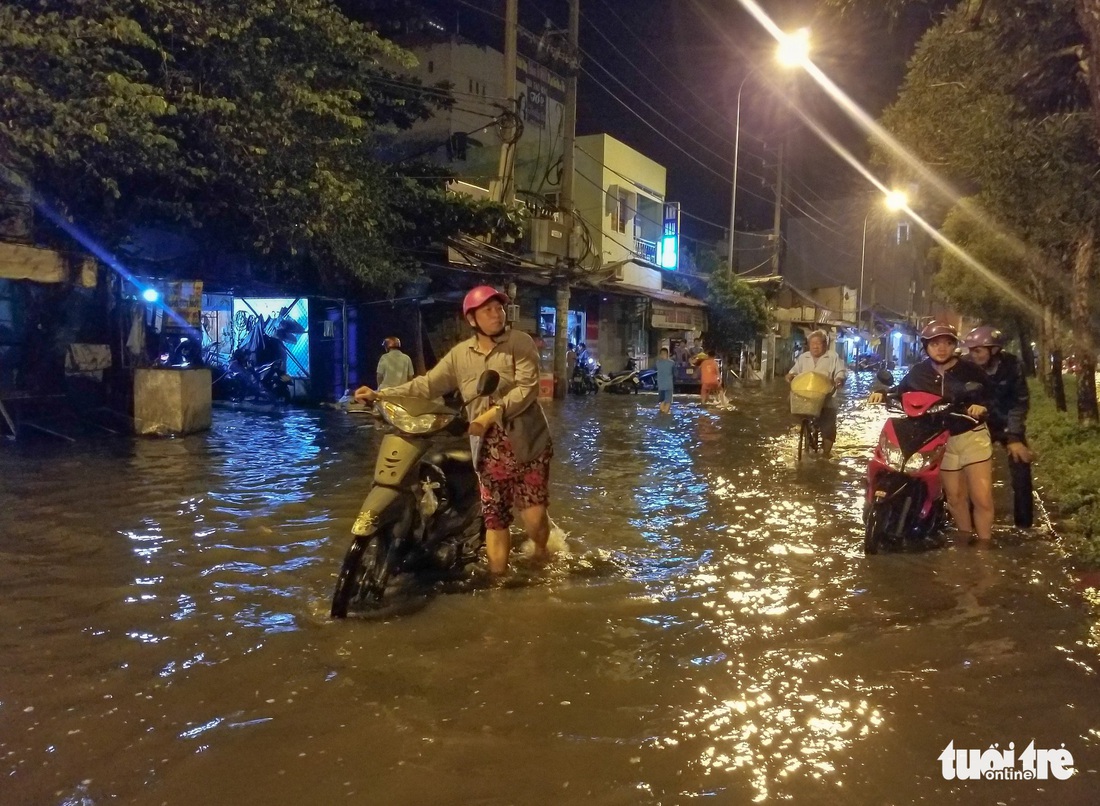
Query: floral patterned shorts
{"points": [[506, 484]]}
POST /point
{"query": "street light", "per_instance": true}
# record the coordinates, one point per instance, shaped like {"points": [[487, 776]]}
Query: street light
{"points": [[894, 200], [793, 50]]}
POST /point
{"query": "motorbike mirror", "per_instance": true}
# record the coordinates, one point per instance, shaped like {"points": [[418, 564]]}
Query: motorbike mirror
{"points": [[884, 376], [488, 382]]}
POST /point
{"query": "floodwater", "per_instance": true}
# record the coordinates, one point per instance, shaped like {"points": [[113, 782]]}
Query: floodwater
{"points": [[714, 630]]}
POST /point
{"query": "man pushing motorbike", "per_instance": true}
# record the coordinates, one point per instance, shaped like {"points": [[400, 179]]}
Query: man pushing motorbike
{"points": [[1008, 413], [513, 463]]}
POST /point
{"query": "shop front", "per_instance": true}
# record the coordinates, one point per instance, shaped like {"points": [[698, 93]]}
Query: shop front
{"points": [[679, 327]]}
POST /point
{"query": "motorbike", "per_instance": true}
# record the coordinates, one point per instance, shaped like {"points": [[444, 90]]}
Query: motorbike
{"points": [[647, 380], [423, 511], [869, 362], [624, 382], [904, 508], [583, 381], [238, 380]]}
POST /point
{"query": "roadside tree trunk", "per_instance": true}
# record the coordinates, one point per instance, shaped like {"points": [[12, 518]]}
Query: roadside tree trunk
{"points": [[1050, 364], [1027, 352], [1080, 310]]}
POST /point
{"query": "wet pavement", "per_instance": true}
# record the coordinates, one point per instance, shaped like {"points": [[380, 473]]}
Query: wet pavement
{"points": [[712, 631]]}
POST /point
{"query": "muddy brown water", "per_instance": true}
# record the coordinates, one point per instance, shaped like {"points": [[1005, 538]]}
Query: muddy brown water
{"points": [[713, 630]]}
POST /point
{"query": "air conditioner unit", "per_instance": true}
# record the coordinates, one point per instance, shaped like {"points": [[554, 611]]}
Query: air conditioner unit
{"points": [[547, 240]]}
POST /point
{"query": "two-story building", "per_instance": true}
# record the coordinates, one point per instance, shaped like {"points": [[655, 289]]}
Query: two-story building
{"points": [[620, 309], [632, 233]]}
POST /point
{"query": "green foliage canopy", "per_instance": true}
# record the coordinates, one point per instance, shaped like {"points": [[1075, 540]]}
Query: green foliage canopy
{"points": [[259, 122], [737, 312], [999, 107]]}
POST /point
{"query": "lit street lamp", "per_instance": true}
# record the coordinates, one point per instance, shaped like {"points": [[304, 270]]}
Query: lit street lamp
{"points": [[793, 50], [894, 200]]}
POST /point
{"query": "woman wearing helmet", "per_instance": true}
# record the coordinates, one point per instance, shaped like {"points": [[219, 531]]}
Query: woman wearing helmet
{"points": [[394, 367], [1007, 414], [967, 467], [514, 460]]}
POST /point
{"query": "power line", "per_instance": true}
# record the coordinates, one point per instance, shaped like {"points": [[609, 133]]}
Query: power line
{"points": [[663, 136], [660, 62], [722, 137], [607, 167]]}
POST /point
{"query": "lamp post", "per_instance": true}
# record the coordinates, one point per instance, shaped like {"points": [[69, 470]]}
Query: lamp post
{"points": [[894, 200], [792, 51]]}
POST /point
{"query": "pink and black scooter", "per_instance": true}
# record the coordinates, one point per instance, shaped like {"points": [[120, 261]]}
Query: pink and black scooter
{"points": [[904, 509]]}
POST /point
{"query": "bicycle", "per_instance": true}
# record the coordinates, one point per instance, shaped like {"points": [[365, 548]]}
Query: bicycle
{"points": [[809, 436], [809, 391]]}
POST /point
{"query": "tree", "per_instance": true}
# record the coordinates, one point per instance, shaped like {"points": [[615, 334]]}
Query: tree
{"points": [[737, 313], [260, 123], [997, 102]]}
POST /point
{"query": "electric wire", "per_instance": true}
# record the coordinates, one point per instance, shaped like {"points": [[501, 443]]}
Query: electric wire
{"points": [[704, 104]]}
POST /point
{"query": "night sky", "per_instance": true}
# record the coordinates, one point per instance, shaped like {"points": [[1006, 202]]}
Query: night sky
{"points": [[685, 60]]}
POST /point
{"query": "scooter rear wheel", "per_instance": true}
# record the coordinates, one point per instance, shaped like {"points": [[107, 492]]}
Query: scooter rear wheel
{"points": [[363, 576]]}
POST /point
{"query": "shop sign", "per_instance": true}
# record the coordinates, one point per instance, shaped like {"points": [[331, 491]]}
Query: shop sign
{"points": [[678, 317]]}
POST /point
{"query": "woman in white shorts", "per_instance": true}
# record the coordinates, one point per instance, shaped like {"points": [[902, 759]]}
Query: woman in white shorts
{"points": [[967, 467]]}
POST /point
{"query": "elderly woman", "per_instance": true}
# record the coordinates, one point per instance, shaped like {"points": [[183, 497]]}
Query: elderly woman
{"points": [[820, 359]]}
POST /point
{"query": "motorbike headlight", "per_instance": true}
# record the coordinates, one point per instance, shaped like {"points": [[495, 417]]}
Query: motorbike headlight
{"points": [[407, 423], [920, 462], [893, 456]]}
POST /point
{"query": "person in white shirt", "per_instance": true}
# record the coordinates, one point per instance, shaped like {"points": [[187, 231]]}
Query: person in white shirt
{"points": [[820, 359]]}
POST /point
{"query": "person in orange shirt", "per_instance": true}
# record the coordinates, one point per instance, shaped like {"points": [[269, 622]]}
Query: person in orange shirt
{"points": [[708, 372]]}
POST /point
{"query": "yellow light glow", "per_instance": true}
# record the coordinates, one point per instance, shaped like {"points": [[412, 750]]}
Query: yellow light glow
{"points": [[897, 200], [794, 48]]}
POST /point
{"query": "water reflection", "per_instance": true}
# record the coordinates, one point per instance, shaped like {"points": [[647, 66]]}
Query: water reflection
{"points": [[714, 632]]}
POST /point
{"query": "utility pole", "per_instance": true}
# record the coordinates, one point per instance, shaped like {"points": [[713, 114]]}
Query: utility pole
{"points": [[508, 146], [777, 222], [561, 325]]}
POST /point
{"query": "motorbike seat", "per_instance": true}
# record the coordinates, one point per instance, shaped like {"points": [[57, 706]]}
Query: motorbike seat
{"points": [[449, 457]]}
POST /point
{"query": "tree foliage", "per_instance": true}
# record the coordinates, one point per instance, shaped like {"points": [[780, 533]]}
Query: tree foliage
{"points": [[737, 312], [998, 103], [258, 122]]}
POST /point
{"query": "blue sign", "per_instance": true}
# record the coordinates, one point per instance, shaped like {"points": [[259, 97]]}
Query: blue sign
{"points": [[668, 247]]}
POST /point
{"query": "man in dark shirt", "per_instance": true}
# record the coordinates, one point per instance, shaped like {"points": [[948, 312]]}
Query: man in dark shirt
{"points": [[1008, 414]]}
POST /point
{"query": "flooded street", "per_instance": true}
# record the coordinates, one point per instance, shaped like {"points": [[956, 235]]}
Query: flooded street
{"points": [[714, 630]]}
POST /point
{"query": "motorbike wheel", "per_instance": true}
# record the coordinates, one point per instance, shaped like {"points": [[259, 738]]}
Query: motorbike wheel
{"points": [[363, 575], [870, 530]]}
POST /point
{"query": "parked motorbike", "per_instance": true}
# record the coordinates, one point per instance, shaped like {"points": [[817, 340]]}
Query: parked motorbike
{"points": [[239, 381], [423, 512], [624, 382], [583, 381], [868, 362], [647, 380], [904, 508]]}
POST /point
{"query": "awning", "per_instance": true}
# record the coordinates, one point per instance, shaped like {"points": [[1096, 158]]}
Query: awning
{"points": [[23, 262], [671, 297]]}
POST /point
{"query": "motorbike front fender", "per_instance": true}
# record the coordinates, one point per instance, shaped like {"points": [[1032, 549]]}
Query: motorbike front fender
{"points": [[381, 507]]}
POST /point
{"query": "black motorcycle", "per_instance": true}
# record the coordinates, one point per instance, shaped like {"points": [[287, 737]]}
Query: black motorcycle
{"points": [[584, 377], [423, 512]]}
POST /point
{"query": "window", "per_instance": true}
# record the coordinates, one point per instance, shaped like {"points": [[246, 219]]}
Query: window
{"points": [[431, 66], [471, 85], [624, 213], [903, 232]]}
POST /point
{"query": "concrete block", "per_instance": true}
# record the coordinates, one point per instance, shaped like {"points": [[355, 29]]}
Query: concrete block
{"points": [[171, 402]]}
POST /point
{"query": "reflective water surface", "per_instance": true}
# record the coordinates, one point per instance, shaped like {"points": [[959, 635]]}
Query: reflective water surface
{"points": [[713, 630]]}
